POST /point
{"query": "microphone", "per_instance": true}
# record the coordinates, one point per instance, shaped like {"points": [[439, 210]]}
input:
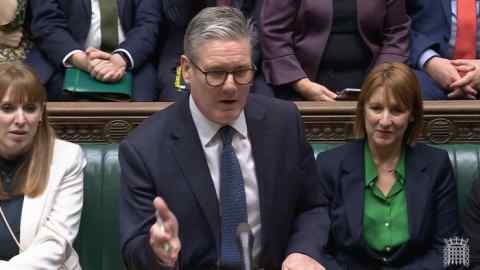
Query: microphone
{"points": [[245, 245]]}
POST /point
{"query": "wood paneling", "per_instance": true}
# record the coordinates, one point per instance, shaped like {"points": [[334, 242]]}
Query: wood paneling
{"points": [[109, 122]]}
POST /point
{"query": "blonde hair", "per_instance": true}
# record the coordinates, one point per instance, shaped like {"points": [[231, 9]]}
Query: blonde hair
{"points": [[402, 85], [23, 86]]}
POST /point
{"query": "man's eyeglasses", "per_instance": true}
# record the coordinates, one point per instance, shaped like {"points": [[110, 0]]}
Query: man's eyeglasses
{"points": [[217, 78]]}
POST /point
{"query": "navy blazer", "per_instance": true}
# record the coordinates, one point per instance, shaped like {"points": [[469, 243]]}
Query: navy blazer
{"points": [[430, 190], [61, 26], [471, 223], [295, 33], [164, 157], [431, 23]]}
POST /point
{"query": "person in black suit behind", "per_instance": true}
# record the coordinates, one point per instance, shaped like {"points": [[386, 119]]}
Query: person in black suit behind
{"points": [[446, 66], [74, 33], [471, 224], [392, 200], [176, 163]]}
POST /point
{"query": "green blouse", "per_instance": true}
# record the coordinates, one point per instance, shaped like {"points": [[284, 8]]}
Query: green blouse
{"points": [[385, 219]]}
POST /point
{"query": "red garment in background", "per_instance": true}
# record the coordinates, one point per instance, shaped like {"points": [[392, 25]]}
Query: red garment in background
{"points": [[466, 39]]}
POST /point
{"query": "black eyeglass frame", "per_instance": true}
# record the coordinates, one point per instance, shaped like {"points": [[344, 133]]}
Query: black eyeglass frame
{"points": [[253, 69]]}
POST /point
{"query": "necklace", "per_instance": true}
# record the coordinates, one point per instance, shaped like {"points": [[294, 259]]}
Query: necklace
{"points": [[384, 169], [387, 167], [390, 170]]}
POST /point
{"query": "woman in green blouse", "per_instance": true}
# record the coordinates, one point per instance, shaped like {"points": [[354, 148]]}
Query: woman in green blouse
{"points": [[13, 41], [392, 200]]}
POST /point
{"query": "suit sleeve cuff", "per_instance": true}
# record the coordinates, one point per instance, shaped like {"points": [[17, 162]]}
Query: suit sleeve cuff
{"points": [[164, 266], [425, 56], [131, 63], [67, 61]]}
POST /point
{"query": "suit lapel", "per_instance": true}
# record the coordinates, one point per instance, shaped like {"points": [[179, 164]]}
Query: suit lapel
{"points": [[33, 209], [258, 134], [447, 9], [353, 187], [31, 214], [362, 16], [121, 4], [415, 191], [87, 6], [190, 157]]}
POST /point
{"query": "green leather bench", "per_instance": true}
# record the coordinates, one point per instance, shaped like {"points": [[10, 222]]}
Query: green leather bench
{"points": [[98, 240]]}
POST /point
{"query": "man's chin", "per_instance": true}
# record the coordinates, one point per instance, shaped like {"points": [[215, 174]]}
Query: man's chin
{"points": [[226, 117]]}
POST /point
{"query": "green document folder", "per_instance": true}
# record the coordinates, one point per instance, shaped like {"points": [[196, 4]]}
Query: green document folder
{"points": [[80, 82]]}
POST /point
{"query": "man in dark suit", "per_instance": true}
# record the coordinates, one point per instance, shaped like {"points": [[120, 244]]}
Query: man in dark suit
{"points": [[471, 224], [63, 30], [177, 14], [443, 66], [184, 164]]}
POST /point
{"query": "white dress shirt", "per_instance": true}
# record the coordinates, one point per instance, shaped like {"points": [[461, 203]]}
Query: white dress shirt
{"points": [[212, 146], [94, 38]]}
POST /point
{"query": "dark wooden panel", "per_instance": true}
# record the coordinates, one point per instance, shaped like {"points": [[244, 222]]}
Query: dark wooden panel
{"points": [[109, 122]]}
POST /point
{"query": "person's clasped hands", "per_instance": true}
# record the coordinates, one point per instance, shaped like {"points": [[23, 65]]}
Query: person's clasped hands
{"points": [[469, 70], [105, 67], [457, 77], [101, 65]]}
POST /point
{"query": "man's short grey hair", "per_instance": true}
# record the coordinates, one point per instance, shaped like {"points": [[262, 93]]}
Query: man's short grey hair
{"points": [[216, 23]]}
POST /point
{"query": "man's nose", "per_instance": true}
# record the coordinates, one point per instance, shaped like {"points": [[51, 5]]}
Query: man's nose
{"points": [[230, 84]]}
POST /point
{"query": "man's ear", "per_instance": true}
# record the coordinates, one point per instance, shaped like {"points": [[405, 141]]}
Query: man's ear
{"points": [[186, 68]]}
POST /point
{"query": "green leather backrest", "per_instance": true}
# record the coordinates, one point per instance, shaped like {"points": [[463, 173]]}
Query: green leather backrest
{"points": [[98, 242]]}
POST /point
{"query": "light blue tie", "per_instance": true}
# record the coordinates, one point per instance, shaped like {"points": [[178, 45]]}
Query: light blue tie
{"points": [[232, 200]]}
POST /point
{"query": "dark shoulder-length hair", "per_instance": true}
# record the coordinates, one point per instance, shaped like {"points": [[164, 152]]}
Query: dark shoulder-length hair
{"points": [[23, 86], [400, 84]]}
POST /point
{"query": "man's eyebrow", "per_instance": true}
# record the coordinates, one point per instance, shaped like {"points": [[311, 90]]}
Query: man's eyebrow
{"points": [[220, 68]]}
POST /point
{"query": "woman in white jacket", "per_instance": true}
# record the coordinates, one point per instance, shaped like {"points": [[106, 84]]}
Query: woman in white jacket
{"points": [[41, 179]]}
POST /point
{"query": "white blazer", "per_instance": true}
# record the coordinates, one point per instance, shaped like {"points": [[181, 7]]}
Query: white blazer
{"points": [[50, 221]]}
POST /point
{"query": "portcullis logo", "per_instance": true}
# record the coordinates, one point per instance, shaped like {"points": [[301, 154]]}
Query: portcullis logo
{"points": [[456, 252]]}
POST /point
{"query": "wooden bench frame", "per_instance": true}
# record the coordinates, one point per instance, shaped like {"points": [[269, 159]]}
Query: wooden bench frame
{"points": [[109, 122]]}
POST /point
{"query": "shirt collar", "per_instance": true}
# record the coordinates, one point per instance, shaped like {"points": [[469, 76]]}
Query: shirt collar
{"points": [[371, 172], [207, 129]]}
